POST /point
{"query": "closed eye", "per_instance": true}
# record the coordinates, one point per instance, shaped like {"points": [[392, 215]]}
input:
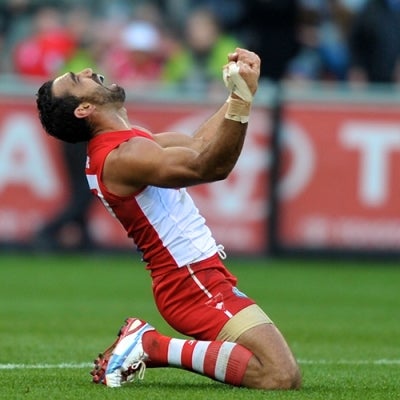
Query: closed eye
{"points": [[74, 77]]}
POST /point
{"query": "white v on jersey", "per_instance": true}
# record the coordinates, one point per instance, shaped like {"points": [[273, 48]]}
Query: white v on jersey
{"points": [[164, 223]]}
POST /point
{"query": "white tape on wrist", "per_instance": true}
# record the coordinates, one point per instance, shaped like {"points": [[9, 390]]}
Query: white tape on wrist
{"points": [[238, 110], [235, 83]]}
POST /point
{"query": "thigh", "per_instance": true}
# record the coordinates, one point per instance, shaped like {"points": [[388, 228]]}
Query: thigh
{"points": [[198, 303], [241, 322]]}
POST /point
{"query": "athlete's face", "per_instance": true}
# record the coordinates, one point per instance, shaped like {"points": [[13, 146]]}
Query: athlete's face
{"points": [[89, 87]]}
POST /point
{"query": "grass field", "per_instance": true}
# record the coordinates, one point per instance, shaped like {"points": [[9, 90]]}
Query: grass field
{"points": [[57, 312]]}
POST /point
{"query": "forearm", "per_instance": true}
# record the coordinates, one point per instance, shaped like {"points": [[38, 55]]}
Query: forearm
{"points": [[222, 136], [221, 142], [234, 108], [215, 147], [200, 139], [218, 142], [206, 132]]}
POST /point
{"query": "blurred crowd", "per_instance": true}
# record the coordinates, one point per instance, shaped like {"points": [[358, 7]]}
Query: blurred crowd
{"points": [[137, 42]]}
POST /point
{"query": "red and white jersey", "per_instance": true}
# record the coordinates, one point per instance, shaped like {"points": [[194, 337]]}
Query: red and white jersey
{"points": [[164, 223]]}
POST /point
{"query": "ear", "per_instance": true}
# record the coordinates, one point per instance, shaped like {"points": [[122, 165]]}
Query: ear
{"points": [[84, 110]]}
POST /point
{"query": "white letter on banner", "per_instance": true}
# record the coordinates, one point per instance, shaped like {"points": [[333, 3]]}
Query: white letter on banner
{"points": [[375, 143], [24, 159]]}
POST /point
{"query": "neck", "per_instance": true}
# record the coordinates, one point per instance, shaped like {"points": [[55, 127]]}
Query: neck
{"points": [[111, 120]]}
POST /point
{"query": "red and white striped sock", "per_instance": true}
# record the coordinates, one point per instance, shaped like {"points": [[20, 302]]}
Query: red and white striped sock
{"points": [[223, 361]]}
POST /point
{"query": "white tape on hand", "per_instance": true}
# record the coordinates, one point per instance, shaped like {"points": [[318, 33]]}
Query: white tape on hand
{"points": [[235, 83]]}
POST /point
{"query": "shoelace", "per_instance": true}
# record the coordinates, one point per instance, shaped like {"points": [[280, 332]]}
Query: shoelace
{"points": [[139, 368]]}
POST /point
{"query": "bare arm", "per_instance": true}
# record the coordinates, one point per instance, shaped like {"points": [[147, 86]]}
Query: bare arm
{"points": [[174, 160]]}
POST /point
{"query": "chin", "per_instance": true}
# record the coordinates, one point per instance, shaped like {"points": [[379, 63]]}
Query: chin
{"points": [[117, 94]]}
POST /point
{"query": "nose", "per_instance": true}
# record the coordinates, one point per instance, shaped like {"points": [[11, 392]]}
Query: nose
{"points": [[87, 72]]}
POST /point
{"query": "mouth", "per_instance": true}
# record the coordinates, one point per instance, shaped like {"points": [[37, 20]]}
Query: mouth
{"points": [[98, 78]]}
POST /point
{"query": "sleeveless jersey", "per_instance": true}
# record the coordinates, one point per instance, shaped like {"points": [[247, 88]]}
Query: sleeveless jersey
{"points": [[164, 223]]}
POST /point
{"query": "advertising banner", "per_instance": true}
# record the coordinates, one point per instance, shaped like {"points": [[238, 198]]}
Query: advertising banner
{"points": [[340, 185], [34, 184]]}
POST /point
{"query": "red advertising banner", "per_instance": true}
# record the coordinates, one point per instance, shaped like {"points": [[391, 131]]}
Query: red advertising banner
{"points": [[34, 185], [340, 186]]}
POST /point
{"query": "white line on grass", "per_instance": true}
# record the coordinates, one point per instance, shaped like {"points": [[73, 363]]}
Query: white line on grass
{"points": [[350, 362], [46, 366], [305, 362]]}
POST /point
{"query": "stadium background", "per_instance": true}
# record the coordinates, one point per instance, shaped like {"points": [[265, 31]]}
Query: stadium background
{"points": [[318, 172], [318, 175]]}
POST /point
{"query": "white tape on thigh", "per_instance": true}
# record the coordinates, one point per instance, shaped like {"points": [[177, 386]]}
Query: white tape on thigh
{"points": [[235, 83]]}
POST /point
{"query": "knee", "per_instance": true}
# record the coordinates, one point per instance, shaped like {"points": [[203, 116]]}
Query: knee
{"points": [[287, 378]]}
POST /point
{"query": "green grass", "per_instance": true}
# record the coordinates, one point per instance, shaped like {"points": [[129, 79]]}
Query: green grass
{"points": [[341, 319]]}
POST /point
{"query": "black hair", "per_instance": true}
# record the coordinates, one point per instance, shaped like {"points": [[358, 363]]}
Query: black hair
{"points": [[57, 117]]}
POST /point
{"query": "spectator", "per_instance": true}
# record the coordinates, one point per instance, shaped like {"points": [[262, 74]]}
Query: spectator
{"points": [[198, 60], [375, 43], [136, 59], [324, 52], [69, 229], [89, 43], [228, 12], [15, 24], [270, 29], [42, 54]]}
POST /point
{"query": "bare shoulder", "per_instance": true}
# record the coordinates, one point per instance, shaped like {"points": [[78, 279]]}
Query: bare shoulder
{"points": [[168, 139], [137, 149], [140, 128], [174, 139], [126, 168], [142, 160]]}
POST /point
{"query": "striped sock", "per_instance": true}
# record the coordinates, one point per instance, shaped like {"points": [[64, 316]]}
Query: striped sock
{"points": [[223, 361]]}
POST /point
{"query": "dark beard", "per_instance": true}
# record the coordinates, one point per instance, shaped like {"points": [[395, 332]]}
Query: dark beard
{"points": [[117, 94], [104, 95]]}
